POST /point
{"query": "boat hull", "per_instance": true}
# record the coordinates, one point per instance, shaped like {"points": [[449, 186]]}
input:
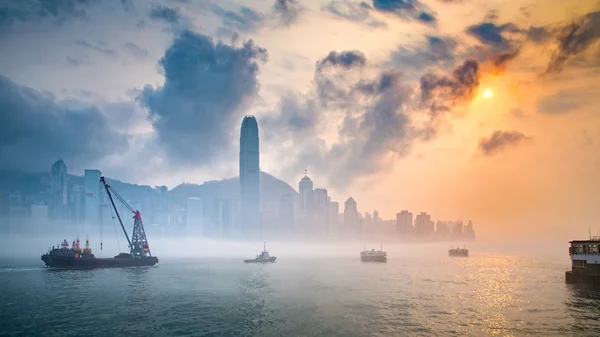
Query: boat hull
{"points": [[373, 258], [91, 263], [269, 260], [458, 254]]}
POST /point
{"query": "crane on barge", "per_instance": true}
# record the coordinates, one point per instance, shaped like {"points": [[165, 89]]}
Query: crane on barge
{"points": [[138, 246], [139, 251]]}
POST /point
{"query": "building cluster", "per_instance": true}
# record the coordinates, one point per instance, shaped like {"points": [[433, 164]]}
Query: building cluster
{"points": [[220, 209]]}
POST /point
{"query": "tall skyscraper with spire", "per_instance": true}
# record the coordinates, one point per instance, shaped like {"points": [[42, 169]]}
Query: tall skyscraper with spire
{"points": [[250, 177]]}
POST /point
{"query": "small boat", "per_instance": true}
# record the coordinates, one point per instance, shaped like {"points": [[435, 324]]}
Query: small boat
{"points": [[373, 255], [263, 257], [458, 252]]}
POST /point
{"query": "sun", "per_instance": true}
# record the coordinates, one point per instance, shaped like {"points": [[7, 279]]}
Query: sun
{"points": [[487, 93]]}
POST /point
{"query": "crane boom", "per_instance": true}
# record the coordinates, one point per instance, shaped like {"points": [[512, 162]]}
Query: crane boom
{"points": [[139, 243], [108, 188]]}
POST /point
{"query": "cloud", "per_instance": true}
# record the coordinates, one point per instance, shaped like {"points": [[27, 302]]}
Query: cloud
{"points": [[136, 50], [207, 86], [330, 75], [246, 20], [166, 14], [36, 129], [412, 9], [288, 11], [561, 102], [501, 141], [574, 39], [369, 116], [440, 93], [100, 49], [57, 11], [73, 61], [435, 50], [354, 11], [492, 35]]}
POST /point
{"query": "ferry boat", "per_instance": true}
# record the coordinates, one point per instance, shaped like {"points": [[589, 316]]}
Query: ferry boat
{"points": [[585, 262], [75, 258], [458, 252], [263, 257], [373, 255]]}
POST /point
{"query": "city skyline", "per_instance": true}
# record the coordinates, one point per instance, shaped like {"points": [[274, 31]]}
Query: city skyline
{"points": [[485, 111]]}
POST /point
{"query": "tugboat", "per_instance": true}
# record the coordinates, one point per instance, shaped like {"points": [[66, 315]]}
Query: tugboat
{"points": [[263, 257], [458, 252], [585, 262], [74, 258], [373, 255]]}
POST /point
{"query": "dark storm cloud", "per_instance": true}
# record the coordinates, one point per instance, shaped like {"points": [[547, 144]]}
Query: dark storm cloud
{"points": [[58, 11], [501, 141], [35, 130], [435, 50], [166, 14], [245, 20], [288, 11], [100, 49], [354, 11], [345, 59], [575, 39], [491, 35], [206, 87], [136, 50], [412, 9], [330, 74], [440, 93]]}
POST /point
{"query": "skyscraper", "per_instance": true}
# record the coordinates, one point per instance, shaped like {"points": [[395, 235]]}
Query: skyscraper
{"points": [[58, 189], [250, 177], [93, 200]]}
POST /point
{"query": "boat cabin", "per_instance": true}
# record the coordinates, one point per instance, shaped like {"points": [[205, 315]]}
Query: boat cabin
{"points": [[585, 254]]}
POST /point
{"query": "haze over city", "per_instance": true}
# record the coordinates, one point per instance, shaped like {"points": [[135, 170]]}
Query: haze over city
{"points": [[465, 110]]}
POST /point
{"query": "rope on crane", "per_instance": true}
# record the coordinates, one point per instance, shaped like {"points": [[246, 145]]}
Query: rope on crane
{"points": [[112, 214]]}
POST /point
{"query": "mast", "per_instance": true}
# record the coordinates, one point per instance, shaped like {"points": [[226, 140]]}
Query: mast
{"points": [[107, 187]]}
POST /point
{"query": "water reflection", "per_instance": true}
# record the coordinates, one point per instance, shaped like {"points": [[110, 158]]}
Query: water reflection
{"points": [[583, 305]]}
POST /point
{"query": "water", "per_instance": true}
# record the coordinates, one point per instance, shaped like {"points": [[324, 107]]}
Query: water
{"points": [[481, 295]]}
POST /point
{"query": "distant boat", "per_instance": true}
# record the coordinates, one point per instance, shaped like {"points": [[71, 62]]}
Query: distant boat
{"points": [[458, 252], [263, 257], [373, 255]]}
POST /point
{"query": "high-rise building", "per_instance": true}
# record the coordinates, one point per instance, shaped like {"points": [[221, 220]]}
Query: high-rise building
{"points": [[458, 229], [321, 206], [94, 196], [334, 214], [58, 189], [441, 228], [250, 177], [194, 215], [351, 217], [404, 222], [469, 231], [424, 224], [306, 195], [376, 219]]}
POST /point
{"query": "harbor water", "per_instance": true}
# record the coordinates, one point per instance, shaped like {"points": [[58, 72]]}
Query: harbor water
{"points": [[484, 294]]}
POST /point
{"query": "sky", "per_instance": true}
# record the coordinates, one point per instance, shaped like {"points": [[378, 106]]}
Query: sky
{"points": [[474, 110]]}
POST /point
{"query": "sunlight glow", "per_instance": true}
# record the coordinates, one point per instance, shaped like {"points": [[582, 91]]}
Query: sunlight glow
{"points": [[487, 93]]}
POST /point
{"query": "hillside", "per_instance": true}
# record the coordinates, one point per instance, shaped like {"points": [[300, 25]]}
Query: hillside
{"points": [[271, 190]]}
